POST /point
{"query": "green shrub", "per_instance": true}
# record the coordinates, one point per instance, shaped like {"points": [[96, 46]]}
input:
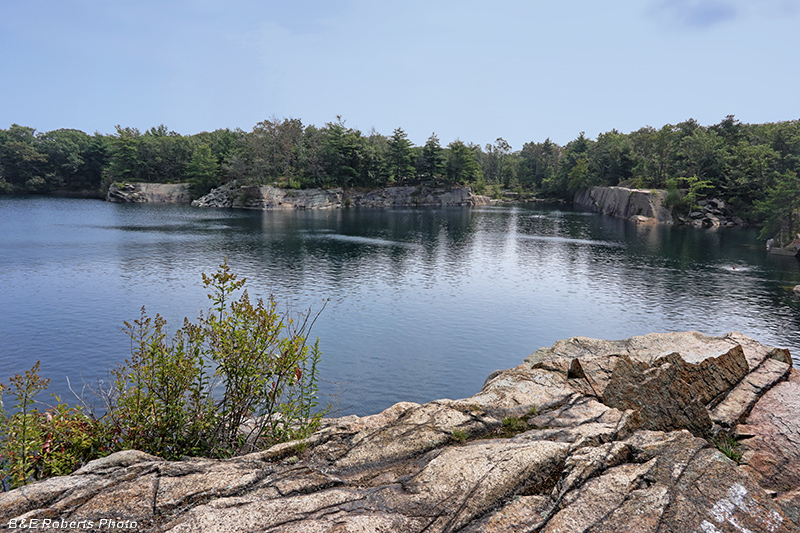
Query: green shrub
{"points": [[674, 199], [237, 379], [513, 425], [20, 433], [163, 401], [459, 435], [479, 186], [36, 184], [37, 445]]}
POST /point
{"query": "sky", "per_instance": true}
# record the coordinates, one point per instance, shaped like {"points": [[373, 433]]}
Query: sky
{"points": [[475, 71]]}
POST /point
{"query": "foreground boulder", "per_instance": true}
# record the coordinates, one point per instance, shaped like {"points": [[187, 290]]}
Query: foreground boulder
{"points": [[584, 436]]}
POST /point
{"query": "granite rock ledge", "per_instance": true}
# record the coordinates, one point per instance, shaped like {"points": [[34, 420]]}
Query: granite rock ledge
{"points": [[640, 205], [585, 436], [158, 193], [266, 197]]}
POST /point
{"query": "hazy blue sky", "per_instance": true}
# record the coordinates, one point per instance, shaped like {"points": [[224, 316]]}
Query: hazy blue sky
{"points": [[522, 70]]}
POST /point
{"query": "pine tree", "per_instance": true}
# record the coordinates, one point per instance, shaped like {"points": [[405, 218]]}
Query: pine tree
{"points": [[400, 157], [432, 159]]}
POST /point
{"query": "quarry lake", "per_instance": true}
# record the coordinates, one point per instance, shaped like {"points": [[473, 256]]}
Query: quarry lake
{"points": [[423, 303]]}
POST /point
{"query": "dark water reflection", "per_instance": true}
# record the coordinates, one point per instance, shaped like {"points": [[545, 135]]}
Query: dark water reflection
{"points": [[423, 304]]}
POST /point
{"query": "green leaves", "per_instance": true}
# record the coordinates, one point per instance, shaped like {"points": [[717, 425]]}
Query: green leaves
{"points": [[778, 210], [462, 167], [400, 157], [695, 187], [264, 378], [202, 171], [36, 445], [432, 159], [240, 378]]}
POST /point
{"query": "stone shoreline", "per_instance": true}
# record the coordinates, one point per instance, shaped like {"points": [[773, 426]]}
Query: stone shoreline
{"points": [[266, 197], [647, 206], [587, 435]]}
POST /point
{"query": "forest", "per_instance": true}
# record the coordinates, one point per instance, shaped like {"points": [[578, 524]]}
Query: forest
{"points": [[752, 166]]}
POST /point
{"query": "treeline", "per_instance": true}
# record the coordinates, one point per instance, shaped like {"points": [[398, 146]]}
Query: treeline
{"points": [[283, 152], [744, 163]]}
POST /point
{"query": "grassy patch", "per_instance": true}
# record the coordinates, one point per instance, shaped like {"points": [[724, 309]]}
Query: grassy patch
{"points": [[459, 435], [729, 446], [514, 425]]}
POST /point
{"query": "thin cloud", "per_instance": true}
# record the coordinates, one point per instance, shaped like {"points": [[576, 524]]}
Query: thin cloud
{"points": [[694, 13], [702, 14]]}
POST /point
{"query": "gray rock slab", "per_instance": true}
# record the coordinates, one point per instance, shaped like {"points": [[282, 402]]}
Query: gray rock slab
{"points": [[585, 436]]}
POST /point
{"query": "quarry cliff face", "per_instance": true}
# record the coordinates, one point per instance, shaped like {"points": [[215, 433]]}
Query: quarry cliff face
{"points": [[643, 205], [267, 197], [165, 193], [586, 435]]}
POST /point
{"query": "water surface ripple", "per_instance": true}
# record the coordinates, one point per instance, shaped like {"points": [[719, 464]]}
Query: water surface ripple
{"points": [[424, 304]]}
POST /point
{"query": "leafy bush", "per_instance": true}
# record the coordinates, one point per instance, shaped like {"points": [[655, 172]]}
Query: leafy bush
{"points": [[674, 199], [36, 184], [256, 359], [37, 445], [240, 378]]}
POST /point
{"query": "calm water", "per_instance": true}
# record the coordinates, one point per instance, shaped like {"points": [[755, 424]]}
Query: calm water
{"points": [[424, 303]]}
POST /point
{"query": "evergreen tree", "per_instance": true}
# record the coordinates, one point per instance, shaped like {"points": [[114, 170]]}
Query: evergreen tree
{"points": [[432, 159], [462, 167], [202, 171], [400, 157], [779, 210], [125, 163]]}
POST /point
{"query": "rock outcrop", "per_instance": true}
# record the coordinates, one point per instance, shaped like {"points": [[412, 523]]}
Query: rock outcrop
{"points": [[713, 213], [165, 193], [641, 205], [584, 436], [792, 248], [267, 197]]}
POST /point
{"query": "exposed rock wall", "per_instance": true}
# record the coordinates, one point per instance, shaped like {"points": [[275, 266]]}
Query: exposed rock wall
{"points": [[169, 193], [585, 436], [713, 213], [643, 205], [267, 197]]}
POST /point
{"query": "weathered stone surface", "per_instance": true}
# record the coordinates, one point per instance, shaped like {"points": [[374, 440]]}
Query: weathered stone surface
{"points": [[714, 213], [772, 454], [625, 203], [781, 247], [669, 390], [169, 193], [789, 503], [267, 197], [693, 347], [752, 387], [585, 436]]}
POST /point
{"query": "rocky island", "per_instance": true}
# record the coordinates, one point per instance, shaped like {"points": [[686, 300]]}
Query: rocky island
{"points": [[676, 432]]}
